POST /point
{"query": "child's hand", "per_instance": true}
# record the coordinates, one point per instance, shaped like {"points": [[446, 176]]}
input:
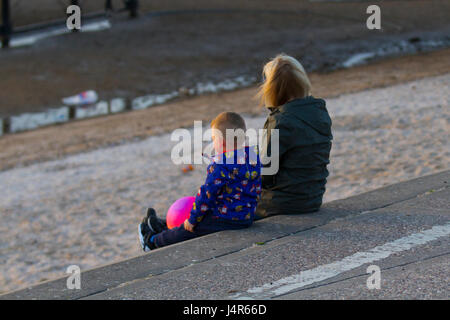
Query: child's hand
{"points": [[188, 226]]}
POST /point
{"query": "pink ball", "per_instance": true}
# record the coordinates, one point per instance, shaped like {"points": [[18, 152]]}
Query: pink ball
{"points": [[179, 211]]}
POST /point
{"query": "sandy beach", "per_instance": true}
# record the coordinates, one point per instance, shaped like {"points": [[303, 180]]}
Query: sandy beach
{"points": [[83, 209]]}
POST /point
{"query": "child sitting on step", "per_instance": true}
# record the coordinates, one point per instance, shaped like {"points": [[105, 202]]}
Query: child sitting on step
{"points": [[228, 198]]}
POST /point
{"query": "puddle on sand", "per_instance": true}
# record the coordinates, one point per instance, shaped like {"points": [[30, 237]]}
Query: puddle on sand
{"points": [[413, 45], [33, 37]]}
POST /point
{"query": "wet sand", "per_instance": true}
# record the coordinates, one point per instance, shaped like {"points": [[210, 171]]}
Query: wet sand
{"points": [[178, 44]]}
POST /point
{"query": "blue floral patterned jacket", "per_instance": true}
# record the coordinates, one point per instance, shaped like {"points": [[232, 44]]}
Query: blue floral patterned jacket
{"points": [[232, 187]]}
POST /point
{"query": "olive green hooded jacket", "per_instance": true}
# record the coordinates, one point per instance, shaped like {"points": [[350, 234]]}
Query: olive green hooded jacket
{"points": [[304, 128]]}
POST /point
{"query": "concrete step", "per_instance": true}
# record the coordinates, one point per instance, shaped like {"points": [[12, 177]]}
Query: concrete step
{"points": [[193, 264]]}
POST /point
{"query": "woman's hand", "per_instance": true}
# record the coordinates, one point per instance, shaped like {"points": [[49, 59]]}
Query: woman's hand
{"points": [[188, 226]]}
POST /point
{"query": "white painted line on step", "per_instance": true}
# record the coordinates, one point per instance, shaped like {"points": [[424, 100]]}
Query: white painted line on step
{"points": [[331, 270]]}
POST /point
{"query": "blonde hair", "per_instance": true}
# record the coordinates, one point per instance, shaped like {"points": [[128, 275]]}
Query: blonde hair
{"points": [[228, 120], [284, 79]]}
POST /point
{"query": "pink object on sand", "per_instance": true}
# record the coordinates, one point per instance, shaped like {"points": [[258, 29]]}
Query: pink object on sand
{"points": [[179, 211]]}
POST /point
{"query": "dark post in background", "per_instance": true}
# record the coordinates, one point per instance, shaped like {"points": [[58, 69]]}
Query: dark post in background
{"points": [[132, 6], [108, 5], [6, 27]]}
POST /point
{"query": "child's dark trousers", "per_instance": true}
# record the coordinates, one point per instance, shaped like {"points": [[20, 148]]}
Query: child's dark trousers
{"points": [[209, 224]]}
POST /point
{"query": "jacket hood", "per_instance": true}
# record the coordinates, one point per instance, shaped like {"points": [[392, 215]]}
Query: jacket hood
{"points": [[311, 111]]}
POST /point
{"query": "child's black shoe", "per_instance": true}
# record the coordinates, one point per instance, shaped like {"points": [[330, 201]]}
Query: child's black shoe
{"points": [[144, 236], [150, 226], [155, 224]]}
